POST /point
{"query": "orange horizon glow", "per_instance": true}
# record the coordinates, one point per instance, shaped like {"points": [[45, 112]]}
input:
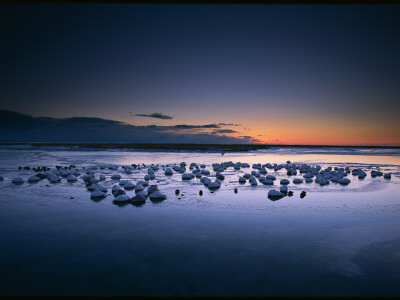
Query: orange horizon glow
{"points": [[323, 135]]}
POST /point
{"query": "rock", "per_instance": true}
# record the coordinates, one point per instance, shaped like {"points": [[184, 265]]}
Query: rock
{"points": [[139, 187], [71, 178], [283, 189], [270, 177], [116, 177], [219, 176], [41, 176], [323, 181], [138, 199], [242, 179], [362, 175], [143, 183], [275, 195], [152, 189], [129, 186], [101, 188], [157, 196], [187, 176], [214, 185], [284, 181], [97, 194], [344, 181], [122, 199], [387, 175], [253, 182], [54, 178], [118, 192], [205, 172], [92, 187], [297, 180], [102, 177], [206, 180], [33, 178], [268, 182], [143, 193], [168, 172], [235, 190], [17, 180]]}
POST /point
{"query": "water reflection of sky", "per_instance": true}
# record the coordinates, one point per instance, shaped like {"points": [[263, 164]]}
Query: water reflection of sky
{"points": [[336, 241]]}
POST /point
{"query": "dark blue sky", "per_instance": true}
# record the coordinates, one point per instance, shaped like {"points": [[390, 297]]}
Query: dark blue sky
{"points": [[280, 71]]}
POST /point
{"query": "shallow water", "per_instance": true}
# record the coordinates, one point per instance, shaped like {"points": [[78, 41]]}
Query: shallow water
{"points": [[336, 241]]}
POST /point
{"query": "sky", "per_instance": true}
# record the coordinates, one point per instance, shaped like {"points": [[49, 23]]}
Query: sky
{"points": [[277, 74]]}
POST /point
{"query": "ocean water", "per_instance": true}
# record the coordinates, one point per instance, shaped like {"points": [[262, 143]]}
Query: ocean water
{"points": [[336, 241]]}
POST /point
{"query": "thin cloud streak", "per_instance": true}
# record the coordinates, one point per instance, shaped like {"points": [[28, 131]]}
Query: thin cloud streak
{"points": [[228, 124], [225, 131], [156, 116]]}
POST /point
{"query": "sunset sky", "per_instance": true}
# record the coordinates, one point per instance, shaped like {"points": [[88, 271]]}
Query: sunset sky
{"points": [[280, 74]]}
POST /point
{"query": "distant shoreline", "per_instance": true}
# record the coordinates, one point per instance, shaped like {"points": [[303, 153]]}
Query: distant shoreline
{"points": [[178, 146]]}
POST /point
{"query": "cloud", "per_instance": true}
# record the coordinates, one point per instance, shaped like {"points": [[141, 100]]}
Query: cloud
{"points": [[228, 124], [181, 127], [249, 139], [155, 115], [225, 131], [185, 126], [16, 127]]}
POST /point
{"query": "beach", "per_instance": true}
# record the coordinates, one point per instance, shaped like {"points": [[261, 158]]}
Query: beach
{"points": [[338, 240]]}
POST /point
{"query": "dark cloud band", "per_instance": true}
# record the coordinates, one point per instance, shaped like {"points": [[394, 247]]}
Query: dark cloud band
{"points": [[16, 127], [155, 115]]}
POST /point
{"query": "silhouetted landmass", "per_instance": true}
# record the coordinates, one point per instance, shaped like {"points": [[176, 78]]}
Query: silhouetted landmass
{"points": [[152, 146], [180, 146]]}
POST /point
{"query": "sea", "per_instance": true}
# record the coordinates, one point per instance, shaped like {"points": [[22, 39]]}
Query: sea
{"points": [[323, 240]]}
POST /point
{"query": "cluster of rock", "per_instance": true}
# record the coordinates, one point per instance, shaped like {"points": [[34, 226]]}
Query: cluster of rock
{"points": [[143, 191]]}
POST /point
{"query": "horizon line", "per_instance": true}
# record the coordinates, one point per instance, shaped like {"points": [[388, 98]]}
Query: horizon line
{"points": [[256, 145]]}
